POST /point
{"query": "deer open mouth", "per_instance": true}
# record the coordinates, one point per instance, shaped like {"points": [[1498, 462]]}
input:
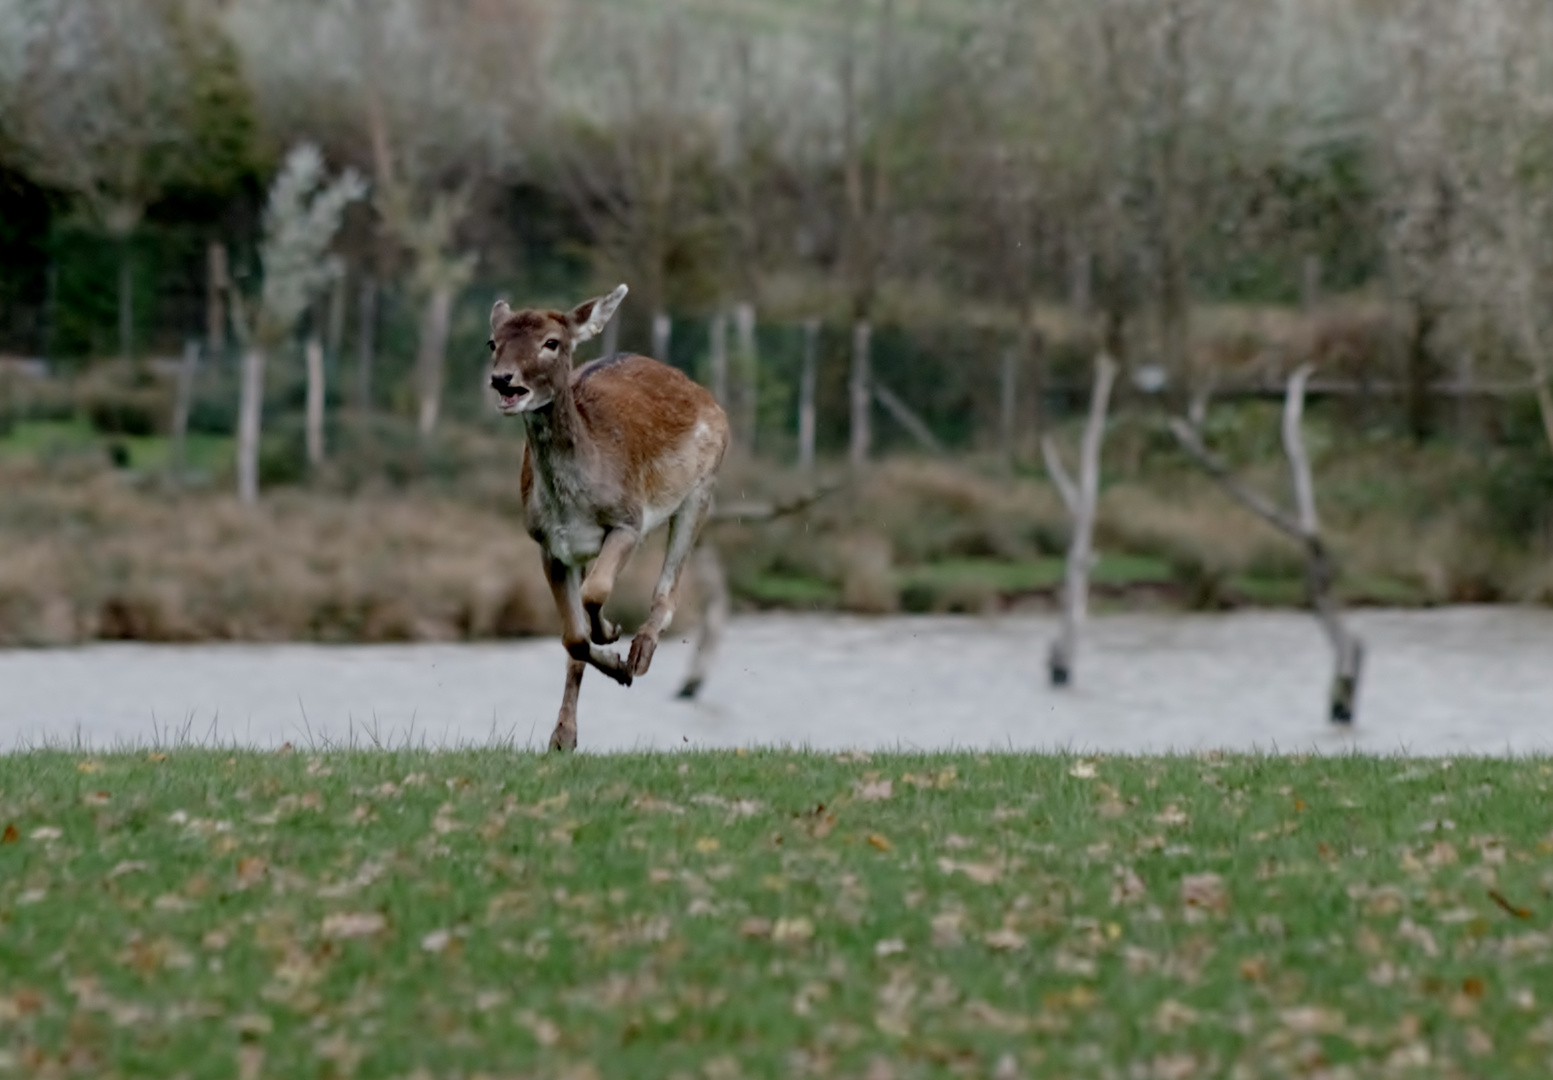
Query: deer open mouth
{"points": [[512, 397]]}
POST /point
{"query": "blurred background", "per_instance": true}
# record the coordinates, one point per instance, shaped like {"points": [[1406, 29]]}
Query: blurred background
{"points": [[891, 234]]}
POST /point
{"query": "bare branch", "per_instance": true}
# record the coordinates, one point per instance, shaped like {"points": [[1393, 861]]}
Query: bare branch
{"points": [[1294, 447], [1059, 473], [1215, 467], [768, 511], [908, 419]]}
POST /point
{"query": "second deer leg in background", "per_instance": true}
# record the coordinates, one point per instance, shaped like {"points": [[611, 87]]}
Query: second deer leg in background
{"points": [[706, 566], [684, 528]]}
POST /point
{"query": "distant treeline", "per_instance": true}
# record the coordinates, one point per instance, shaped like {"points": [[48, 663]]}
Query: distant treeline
{"points": [[1209, 191]]}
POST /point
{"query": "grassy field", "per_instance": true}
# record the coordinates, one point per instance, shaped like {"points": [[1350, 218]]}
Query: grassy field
{"points": [[214, 914]]}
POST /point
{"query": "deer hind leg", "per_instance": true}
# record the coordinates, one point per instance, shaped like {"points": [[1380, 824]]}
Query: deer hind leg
{"points": [[706, 567], [566, 587], [684, 527], [600, 582], [564, 737]]}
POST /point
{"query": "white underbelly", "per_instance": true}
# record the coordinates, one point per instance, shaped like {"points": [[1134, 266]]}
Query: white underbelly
{"points": [[575, 544], [653, 516]]}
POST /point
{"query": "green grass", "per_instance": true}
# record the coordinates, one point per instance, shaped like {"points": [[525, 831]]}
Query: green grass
{"points": [[50, 440], [773, 914], [783, 590]]}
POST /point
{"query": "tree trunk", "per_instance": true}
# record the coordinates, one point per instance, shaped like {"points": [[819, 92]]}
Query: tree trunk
{"points": [[126, 302], [1304, 527], [1310, 284], [718, 360], [433, 350], [662, 336], [1421, 373], [806, 381], [1008, 406], [250, 407], [315, 402], [182, 405], [862, 393], [749, 376], [335, 341], [1082, 500], [216, 283], [366, 342], [1080, 289]]}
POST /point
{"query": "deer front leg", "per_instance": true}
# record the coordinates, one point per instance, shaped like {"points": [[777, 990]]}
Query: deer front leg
{"points": [[564, 737], [684, 527], [566, 587], [600, 582]]}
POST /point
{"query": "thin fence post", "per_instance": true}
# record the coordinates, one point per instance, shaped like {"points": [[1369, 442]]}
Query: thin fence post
{"points": [[862, 392], [806, 381]]}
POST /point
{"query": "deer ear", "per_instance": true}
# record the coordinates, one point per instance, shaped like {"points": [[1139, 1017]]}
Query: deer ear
{"points": [[499, 314], [589, 318]]}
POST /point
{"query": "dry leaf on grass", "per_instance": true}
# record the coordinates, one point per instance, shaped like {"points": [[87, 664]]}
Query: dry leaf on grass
{"points": [[874, 790], [1126, 886], [1005, 939], [980, 873], [1312, 1020], [250, 871], [792, 931], [353, 924], [1204, 892], [880, 841]]}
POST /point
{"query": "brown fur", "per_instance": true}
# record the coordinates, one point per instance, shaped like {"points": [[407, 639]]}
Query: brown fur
{"points": [[614, 449]]}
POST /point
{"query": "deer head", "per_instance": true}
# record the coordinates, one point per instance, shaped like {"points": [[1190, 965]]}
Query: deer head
{"points": [[531, 350]]}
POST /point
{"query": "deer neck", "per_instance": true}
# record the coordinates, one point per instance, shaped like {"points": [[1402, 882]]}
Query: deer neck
{"points": [[557, 437]]}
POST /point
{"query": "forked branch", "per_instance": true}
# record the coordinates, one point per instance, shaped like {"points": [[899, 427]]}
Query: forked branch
{"points": [[1304, 527]]}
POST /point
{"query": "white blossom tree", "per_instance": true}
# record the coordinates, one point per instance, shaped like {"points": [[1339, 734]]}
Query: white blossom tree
{"points": [[302, 216]]}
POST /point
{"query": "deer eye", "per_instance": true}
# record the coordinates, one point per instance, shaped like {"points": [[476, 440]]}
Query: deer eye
{"points": [[553, 343], [491, 344]]}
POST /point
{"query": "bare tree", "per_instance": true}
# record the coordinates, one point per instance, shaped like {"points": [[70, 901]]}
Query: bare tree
{"points": [[434, 99], [303, 213], [1305, 528], [1081, 499]]}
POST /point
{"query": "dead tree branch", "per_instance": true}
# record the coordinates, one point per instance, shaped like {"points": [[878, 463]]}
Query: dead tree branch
{"points": [[1305, 529], [1081, 499]]}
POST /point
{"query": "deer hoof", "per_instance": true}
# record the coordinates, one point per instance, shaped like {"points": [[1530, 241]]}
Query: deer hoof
{"points": [[563, 740], [642, 648], [605, 632]]}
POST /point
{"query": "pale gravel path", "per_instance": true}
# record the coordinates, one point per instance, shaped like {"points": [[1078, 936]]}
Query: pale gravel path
{"points": [[1463, 680]]}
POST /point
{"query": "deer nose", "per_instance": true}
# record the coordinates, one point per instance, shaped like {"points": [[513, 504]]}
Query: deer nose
{"points": [[501, 383]]}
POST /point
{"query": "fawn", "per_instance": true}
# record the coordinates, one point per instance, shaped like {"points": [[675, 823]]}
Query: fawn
{"points": [[614, 449]]}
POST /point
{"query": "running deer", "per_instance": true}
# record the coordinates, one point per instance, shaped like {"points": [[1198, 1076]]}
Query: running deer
{"points": [[615, 448]]}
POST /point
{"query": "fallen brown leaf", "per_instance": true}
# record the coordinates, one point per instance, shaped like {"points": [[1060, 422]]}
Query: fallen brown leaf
{"points": [[879, 841], [980, 873], [11, 835], [1205, 892], [1005, 939], [357, 924], [792, 931], [1519, 912], [250, 871], [874, 790]]}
